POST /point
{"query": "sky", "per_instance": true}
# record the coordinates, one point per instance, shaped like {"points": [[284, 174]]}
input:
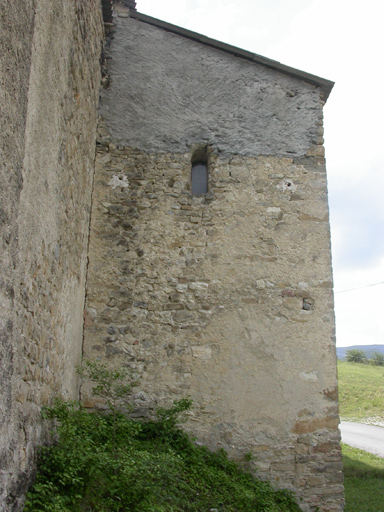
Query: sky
{"points": [[341, 41]]}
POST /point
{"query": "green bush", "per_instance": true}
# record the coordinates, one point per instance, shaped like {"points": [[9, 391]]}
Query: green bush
{"points": [[107, 462], [377, 358], [355, 355]]}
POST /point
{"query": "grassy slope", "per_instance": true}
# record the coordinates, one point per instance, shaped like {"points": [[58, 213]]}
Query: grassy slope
{"points": [[361, 395], [364, 481], [361, 392]]}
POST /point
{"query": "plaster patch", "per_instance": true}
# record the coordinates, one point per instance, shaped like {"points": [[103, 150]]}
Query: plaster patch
{"points": [[309, 377], [202, 352], [273, 212], [182, 112], [118, 180], [287, 185]]}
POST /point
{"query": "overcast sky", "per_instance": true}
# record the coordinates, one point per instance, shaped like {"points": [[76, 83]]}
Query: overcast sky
{"points": [[342, 41]]}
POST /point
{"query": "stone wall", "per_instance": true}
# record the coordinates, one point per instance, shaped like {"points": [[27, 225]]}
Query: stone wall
{"points": [[50, 76], [225, 297], [210, 297], [16, 32]]}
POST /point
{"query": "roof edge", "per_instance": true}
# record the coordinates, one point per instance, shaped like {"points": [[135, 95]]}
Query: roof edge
{"points": [[324, 84]]}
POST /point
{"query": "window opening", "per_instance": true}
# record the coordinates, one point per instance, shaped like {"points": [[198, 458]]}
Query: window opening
{"points": [[199, 172], [199, 178]]}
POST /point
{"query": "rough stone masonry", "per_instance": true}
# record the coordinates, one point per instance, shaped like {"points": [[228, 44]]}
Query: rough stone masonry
{"points": [[49, 85], [226, 296]]}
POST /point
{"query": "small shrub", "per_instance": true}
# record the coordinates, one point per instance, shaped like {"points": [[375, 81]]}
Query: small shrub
{"points": [[112, 386]]}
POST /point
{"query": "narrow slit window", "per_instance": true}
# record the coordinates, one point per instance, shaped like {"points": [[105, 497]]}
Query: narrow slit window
{"points": [[199, 178]]}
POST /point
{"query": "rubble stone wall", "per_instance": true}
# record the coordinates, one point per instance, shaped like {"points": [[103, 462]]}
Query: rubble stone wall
{"points": [[16, 33], [210, 297], [50, 72]]}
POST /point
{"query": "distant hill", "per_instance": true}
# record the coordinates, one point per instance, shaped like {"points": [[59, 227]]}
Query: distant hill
{"points": [[368, 349]]}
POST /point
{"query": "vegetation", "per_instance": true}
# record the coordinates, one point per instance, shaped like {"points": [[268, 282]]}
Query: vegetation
{"points": [[377, 358], [364, 481], [106, 462], [361, 396], [355, 355], [361, 392], [111, 385]]}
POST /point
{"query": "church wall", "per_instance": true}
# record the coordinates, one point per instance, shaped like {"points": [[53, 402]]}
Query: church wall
{"points": [[16, 33], [225, 297], [51, 73]]}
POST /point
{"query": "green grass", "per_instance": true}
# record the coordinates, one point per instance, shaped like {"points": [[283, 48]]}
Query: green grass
{"points": [[361, 392], [361, 397], [364, 481]]}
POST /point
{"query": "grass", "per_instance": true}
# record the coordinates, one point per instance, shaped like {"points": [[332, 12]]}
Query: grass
{"points": [[364, 481], [361, 392], [361, 398]]}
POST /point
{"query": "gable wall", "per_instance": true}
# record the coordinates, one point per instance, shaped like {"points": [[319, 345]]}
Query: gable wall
{"points": [[228, 297], [197, 94]]}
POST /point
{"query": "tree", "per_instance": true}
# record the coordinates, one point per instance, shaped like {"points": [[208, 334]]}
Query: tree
{"points": [[377, 358], [355, 355]]}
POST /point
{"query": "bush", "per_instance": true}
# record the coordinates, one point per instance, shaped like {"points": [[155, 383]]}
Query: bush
{"points": [[107, 462], [355, 355], [377, 358]]}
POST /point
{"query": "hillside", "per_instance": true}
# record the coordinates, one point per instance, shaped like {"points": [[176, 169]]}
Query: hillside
{"points": [[361, 392]]}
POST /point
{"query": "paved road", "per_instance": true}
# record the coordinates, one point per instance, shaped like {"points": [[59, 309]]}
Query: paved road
{"points": [[365, 437]]}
